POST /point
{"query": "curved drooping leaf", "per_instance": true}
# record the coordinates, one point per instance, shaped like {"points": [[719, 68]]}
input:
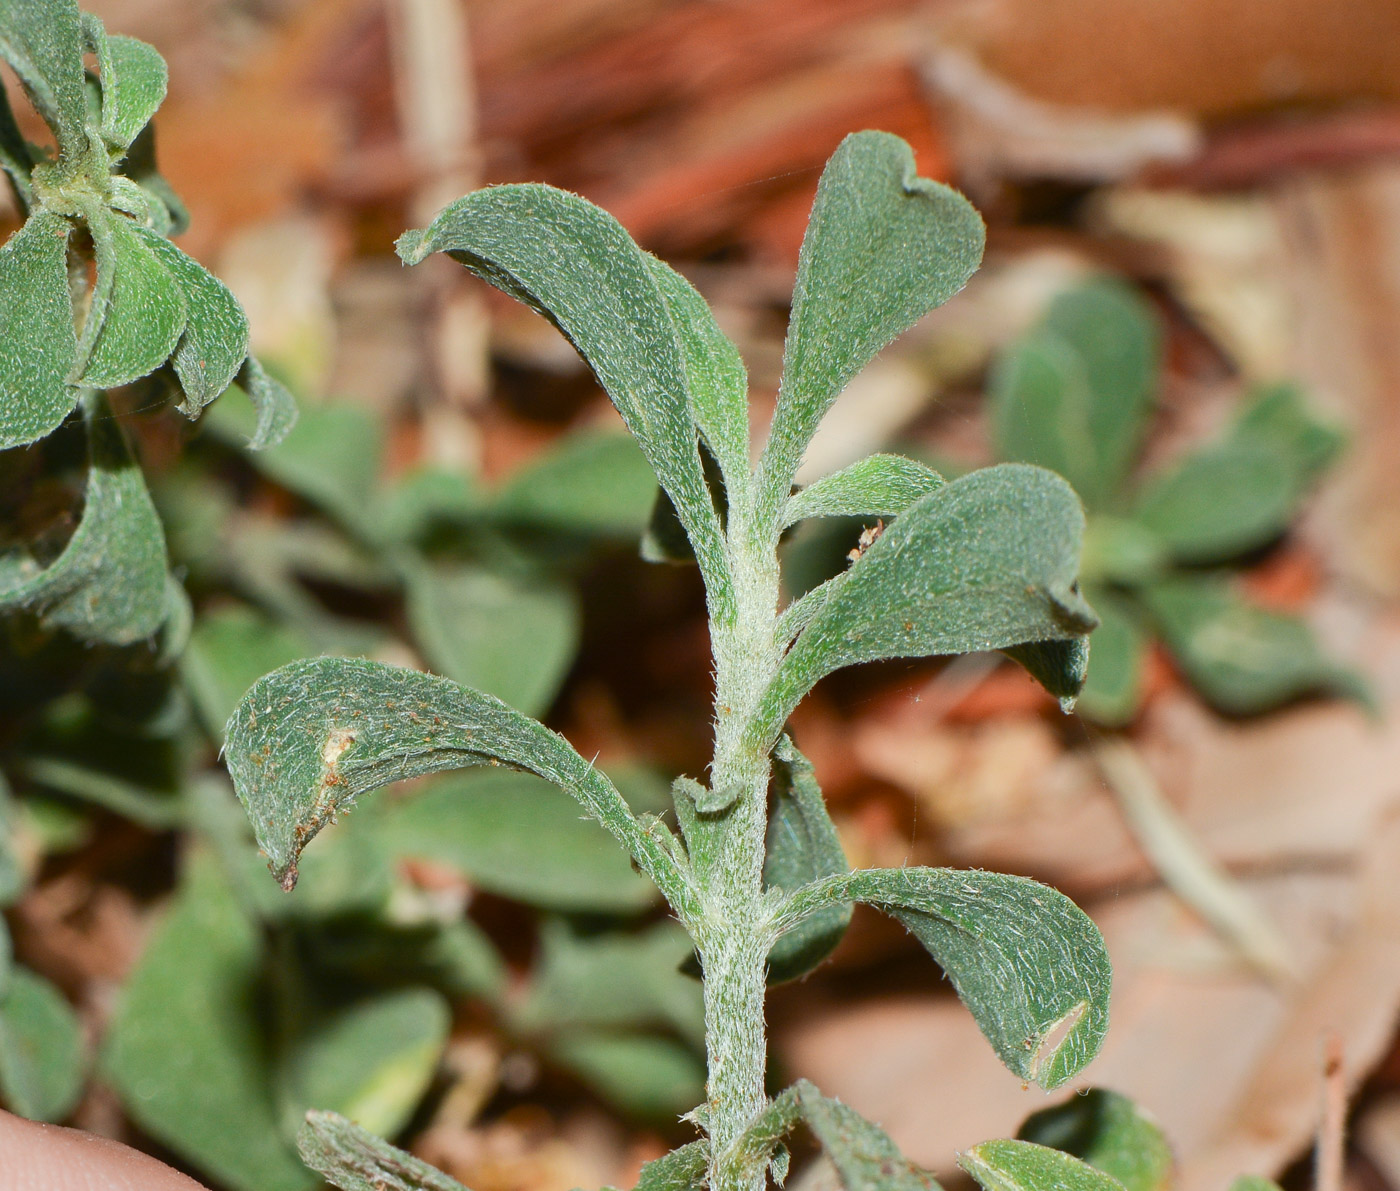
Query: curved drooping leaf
{"points": [[1245, 659], [717, 381], [186, 1050], [878, 486], [1074, 396], [276, 407], [802, 846], [42, 40], [309, 738], [883, 248], [138, 307], [109, 583], [506, 635], [354, 1159], [865, 1157], [575, 264], [37, 341], [215, 340], [42, 1057], [986, 562], [1110, 1133], [133, 77], [1023, 1166], [1117, 664], [1029, 964]]}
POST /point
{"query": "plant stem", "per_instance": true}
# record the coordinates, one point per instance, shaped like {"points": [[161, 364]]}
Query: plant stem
{"points": [[734, 931]]}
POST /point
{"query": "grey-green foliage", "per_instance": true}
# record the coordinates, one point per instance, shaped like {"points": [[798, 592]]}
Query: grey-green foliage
{"points": [[151, 305], [1109, 1132], [353, 1159], [1025, 1166], [43, 1057], [987, 562], [1075, 394]]}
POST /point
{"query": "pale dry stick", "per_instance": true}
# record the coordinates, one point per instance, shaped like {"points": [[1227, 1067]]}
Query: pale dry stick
{"points": [[1329, 1155], [437, 108], [1187, 871]]}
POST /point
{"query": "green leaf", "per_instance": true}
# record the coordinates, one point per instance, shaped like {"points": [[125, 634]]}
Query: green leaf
{"points": [[168, 214], [802, 845], [312, 736], [186, 1051], [371, 1060], [140, 803], [1061, 667], [427, 498], [1113, 689], [683, 1169], [591, 481], [1254, 1182], [1110, 1133], [879, 486], [518, 836], [43, 41], [864, 1156], [1027, 962], [717, 382], [1244, 659], [883, 248], [109, 583], [230, 649], [1023, 1166], [42, 1057], [512, 637], [353, 1159], [1075, 394], [36, 328], [15, 157], [272, 400], [574, 263], [613, 981], [7, 951], [655, 1079], [215, 340], [986, 562], [138, 307], [134, 80], [1241, 492]]}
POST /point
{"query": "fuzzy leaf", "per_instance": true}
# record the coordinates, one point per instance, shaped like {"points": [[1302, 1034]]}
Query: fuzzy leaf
{"points": [[683, 1169], [15, 158], [512, 637], [1027, 962], [138, 307], [1113, 687], [215, 340], [883, 248], [1110, 1133], [589, 482], [134, 79], [354, 1159], [515, 835], [986, 562], [655, 1079], [575, 264], [1244, 659], [371, 1060], [42, 1058], [1023, 1166], [37, 342], [1241, 492], [43, 41], [276, 407], [1075, 394], [879, 486], [109, 583], [309, 738], [802, 845], [186, 1051], [718, 383]]}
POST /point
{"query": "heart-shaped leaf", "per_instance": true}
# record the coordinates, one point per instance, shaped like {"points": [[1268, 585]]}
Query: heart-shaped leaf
{"points": [[883, 248], [986, 562], [36, 329]]}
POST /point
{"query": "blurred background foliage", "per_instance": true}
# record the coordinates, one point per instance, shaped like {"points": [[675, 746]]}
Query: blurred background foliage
{"points": [[1188, 308]]}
